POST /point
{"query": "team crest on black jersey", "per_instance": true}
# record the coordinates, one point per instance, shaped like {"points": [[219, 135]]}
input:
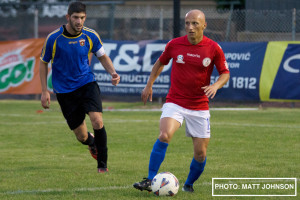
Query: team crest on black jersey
{"points": [[82, 42]]}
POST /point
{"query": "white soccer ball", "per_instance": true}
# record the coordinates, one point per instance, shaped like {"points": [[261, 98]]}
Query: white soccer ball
{"points": [[165, 184]]}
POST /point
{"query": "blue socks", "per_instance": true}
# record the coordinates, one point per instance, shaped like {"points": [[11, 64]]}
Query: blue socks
{"points": [[196, 169], [157, 157]]}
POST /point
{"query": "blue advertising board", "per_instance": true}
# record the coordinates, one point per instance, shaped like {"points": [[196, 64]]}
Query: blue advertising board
{"points": [[280, 75], [245, 63], [287, 80], [133, 61], [250, 66]]}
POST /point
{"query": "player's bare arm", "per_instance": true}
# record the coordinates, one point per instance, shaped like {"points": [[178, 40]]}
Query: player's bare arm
{"points": [[45, 98], [147, 91], [108, 66], [211, 90]]}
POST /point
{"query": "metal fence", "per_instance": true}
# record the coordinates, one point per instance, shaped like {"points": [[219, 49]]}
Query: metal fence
{"points": [[119, 22]]}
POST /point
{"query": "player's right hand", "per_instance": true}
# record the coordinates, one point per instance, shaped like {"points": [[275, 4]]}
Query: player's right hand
{"points": [[146, 94], [45, 100], [115, 79]]}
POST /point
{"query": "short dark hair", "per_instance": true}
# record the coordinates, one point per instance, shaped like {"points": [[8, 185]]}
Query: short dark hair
{"points": [[76, 7]]}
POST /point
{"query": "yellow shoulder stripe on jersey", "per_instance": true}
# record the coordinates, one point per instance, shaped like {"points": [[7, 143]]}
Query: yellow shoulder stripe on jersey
{"points": [[94, 32], [45, 44], [90, 42], [53, 50], [43, 60]]}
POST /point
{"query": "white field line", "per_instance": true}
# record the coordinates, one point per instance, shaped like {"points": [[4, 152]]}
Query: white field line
{"points": [[158, 109], [51, 190], [122, 110], [30, 123], [257, 125], [141, 121]]}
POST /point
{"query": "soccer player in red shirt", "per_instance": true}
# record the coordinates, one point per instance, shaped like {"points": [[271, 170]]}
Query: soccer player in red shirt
{"points": [[194, 57]]}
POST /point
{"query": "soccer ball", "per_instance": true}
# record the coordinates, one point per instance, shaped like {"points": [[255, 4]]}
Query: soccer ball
{"points": [[165, 184]]}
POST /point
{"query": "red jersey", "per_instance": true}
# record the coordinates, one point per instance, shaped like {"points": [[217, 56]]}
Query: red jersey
{"points": [[192, 67]]}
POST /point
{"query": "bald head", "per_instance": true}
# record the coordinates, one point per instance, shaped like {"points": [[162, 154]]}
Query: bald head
{"points": [[194, 25], [196, 13]]}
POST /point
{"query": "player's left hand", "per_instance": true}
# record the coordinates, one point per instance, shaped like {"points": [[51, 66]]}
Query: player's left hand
{"points": [[115, 79], [210, 91]]}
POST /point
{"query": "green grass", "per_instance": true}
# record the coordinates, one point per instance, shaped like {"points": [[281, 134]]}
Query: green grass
{"points": [[41, 159]]}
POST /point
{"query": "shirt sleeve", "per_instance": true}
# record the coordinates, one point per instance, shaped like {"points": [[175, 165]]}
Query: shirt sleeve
{"points": [[220, 61], [46, 54], [165, 57], [97, 43]]}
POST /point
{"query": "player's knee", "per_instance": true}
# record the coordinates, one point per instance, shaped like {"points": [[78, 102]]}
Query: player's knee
{"points": [[164, 137], [97, 123], [81, 137], [200, 156]]}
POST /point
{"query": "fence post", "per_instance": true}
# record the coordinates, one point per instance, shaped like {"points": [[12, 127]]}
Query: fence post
{"points": [[176, 18], [294, 25], [161, 24], [293, 38], [161, 36], [112, 21], [36, 35], [229, 23], [36, 23]]}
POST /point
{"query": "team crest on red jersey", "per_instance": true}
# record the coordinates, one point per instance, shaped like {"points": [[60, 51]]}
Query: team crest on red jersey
{"points": [[206, 62], [82, 42], [180, 59]]}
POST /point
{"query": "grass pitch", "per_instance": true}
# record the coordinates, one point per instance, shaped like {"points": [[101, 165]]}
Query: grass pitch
{"points": [[41, 159]]}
